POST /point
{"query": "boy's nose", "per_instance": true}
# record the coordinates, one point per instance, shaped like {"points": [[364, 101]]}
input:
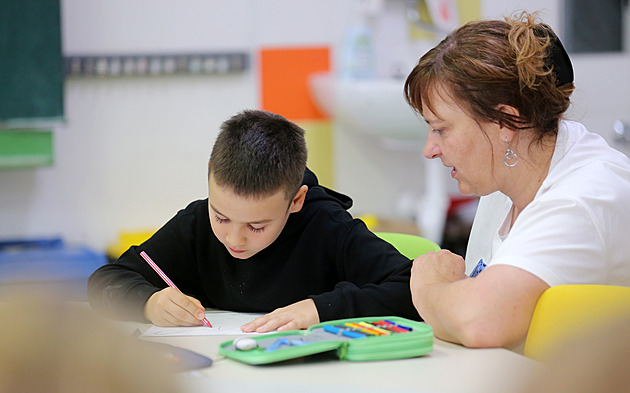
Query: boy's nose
{"points": [[234, 237]]}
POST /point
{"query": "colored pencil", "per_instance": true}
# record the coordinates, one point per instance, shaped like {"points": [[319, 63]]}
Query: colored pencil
{"points": [[167, 280]]}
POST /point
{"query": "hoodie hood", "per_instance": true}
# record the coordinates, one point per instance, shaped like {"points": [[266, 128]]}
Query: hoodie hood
{"points": [[317, 192]]}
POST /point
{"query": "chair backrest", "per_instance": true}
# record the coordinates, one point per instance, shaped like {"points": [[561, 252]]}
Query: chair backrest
{"points": [[411, 246], [565, 312]]}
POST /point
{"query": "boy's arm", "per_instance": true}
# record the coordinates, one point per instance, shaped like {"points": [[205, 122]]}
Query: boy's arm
{"points": [[376, 280], [127, 290], [121, 289]]}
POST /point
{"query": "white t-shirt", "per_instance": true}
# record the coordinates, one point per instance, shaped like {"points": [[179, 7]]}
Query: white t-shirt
{"points": [[577, 228]]}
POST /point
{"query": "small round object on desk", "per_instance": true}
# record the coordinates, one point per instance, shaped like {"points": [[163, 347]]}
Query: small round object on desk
{"points": [[245, 343]]}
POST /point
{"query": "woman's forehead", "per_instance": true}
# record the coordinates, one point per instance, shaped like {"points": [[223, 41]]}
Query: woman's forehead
{"points": [[439, 101]]}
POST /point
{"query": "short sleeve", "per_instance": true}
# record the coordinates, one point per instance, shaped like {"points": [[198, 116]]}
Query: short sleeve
{"points": [[557, 240]]}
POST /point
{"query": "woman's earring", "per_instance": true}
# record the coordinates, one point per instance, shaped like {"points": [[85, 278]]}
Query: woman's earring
{"points": [[510, 158]]}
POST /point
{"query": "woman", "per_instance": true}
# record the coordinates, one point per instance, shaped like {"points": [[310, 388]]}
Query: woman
{"points": [[554, 205]]}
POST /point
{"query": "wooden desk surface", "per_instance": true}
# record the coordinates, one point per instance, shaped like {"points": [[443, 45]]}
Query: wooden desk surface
{"points": [[449, 368]]}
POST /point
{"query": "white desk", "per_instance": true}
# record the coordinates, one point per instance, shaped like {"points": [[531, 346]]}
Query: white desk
{"points": [[449, 368]]}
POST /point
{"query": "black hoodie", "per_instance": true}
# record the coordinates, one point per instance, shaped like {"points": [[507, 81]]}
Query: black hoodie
{"points": [[322, 253]]}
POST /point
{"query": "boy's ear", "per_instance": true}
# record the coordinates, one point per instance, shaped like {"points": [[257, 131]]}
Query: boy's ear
{"points": [[298, 199]]}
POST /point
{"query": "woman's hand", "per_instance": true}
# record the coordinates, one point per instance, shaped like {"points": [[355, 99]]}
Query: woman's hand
{"points": [[298, 315], [434, 267], [438, 267]]}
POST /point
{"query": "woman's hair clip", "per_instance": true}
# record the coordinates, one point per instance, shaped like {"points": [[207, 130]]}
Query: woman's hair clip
{"points": [[559, 59]]}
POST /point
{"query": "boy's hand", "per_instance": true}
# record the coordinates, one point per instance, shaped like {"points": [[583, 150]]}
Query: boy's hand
{"points": [[169, 307], [298, 315]]}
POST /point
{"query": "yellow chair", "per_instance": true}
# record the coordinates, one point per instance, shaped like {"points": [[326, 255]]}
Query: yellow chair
{"points": [[126, 240], [565, 312], [411, 246]]}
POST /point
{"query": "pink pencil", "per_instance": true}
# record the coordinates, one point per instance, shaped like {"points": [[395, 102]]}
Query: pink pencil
{"points": [[166, 279]]}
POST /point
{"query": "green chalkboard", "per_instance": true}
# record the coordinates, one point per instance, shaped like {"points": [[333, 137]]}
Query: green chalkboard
{"points": [[31, 61]]}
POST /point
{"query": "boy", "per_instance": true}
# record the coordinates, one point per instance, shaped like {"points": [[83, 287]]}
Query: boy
{"points": [[268, 238]]}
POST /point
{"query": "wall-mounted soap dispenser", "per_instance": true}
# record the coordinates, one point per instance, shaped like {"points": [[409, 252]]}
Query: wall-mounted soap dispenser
{"points": [[358, 58]]}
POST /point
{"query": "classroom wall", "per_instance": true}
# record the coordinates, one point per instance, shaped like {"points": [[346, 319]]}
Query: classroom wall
{"points": [[133, 150]]}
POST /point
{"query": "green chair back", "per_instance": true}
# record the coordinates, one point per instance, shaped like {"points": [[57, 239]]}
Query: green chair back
{"points": [[411, 246]]}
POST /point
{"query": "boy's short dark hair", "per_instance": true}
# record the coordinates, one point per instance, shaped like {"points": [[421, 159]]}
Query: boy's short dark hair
{"points": [[258, 153]]}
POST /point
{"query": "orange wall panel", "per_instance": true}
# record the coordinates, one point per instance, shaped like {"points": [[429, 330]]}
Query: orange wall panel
{"points": [[284, 80]]}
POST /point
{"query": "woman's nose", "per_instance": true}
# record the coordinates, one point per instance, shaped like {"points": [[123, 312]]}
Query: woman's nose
{"points": [[431, 149]]}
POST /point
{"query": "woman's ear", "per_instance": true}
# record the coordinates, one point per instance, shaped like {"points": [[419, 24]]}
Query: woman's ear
{"points": [[298, 199], [504, 132], [510, 110]]}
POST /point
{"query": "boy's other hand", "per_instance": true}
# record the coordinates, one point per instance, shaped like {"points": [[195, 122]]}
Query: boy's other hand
{"points": [[298, 315], [169, 307]]}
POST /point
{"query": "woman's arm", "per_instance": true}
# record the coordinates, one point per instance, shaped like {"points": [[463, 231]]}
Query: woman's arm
{"points": [[493, 309]]}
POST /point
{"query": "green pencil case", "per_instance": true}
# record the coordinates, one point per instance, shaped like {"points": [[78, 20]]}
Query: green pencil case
{"points": [[354, 339]]}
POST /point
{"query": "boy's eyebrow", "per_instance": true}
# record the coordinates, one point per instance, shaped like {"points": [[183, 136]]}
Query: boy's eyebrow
{"points": [[265, 221]]}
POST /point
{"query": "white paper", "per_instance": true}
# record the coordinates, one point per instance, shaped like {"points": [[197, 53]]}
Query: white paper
{"points": [[223, 323]]}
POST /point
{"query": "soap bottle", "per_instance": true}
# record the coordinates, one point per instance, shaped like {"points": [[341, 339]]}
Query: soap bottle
{"points": [[357, 56]]}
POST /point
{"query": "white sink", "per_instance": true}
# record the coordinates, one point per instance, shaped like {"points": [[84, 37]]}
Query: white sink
{"points": [[374, 107], [377, 108]]}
